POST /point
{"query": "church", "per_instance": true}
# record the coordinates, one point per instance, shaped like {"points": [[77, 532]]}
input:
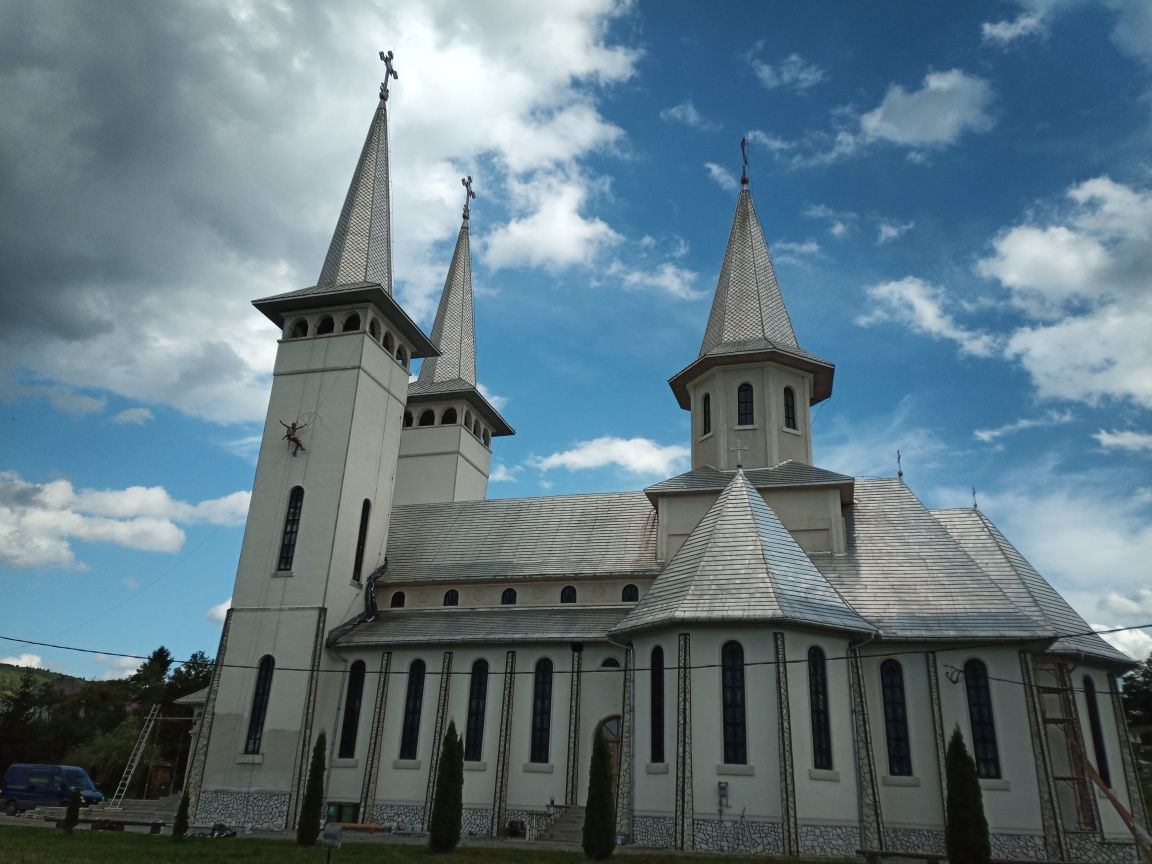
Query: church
{"points": [[776, 653]]}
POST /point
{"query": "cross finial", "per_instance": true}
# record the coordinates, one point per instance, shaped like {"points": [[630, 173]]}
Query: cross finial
{"points": [[975, 506], [389, 72], [899, 466], [466, 182], [739, 449], [744, 153]]}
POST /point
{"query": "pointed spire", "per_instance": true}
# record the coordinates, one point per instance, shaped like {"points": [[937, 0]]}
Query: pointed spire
{"points": [[361, 248]]}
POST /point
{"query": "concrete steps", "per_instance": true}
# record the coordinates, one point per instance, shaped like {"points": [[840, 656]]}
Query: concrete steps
{"points": [[568, 827]]}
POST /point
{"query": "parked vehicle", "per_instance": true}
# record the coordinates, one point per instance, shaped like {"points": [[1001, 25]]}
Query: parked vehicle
{"points": [[27, 786]]}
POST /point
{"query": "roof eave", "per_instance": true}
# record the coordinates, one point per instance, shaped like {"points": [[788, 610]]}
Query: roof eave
{"points": [[822, 372], [730, 620], [475, 398], [846, 488]]}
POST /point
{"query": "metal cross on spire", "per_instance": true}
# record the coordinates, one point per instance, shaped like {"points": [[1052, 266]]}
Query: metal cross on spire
{"points": [[466, 182], [739, 449], [389, 72], [744, 153]]}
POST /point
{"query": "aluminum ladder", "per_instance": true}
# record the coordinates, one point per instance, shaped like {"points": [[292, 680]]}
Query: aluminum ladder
{"points": [[134, 759]]}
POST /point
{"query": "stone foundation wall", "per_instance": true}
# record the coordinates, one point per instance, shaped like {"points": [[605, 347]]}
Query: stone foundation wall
{"points": [[242, 809], [1089, 847], [535, 821], [826, 841], [914, 840], [474, 821], [738, 835], [1018, 847], [410, 816]]}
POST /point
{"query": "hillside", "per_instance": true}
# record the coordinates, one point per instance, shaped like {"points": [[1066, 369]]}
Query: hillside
{"points": [[10, 678]]}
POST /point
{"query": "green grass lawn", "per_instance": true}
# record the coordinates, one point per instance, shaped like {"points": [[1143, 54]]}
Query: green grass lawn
{"points": [[20, 845]]}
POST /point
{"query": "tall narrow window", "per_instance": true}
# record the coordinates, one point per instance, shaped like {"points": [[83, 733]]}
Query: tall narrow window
{"points": [[657, 704], [818, 707], [1097, 731], [413, 702], [508, 597], [352, 702], [451, 597], [291, 528], [789, 408], [259, 704], [895, 719], [732, 684], [744, 415], [477, 699], [630, 594], [984, 749], [361, 539], [706, 415], [541, 710], [568, 594]]}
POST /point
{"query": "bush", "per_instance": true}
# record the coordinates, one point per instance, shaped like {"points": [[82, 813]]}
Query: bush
{"points": [[600, 812], [447, 804], [965, 828], [72, 814], [308, 828], [180, 826]]}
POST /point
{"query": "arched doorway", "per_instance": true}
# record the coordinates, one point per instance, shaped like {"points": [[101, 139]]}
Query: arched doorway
{"points": [[611, 728]]}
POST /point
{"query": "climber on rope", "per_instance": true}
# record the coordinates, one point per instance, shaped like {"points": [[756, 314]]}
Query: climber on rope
{"points": [[292, 435]]}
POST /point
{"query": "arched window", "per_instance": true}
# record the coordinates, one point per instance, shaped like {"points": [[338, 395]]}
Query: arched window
{"points": [[541, 710], [984, 749], [656, 705], [789, 408], [299, 329], [351, 323], [259, 704], [451, 597], [326, 326], [1097, 731], [568, 594], [744, 415], [397, 601], [361, 540], [476, 428], [352, 702], [427, 418], [508, 597], [487, 438], [610, 663], [818, 707], [449, 416], [291, 528], [388, 343], [407, 419], [895, 719], [477, 699], [706, 415], [413, 702], [732, 684], [630, 594], [374, 328], [402, 356]]}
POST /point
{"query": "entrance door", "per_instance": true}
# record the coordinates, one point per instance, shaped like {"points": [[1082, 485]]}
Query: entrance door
{"points": [[611, 729]]}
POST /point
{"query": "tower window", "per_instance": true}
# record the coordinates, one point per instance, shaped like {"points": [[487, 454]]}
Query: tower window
{"points": [[508, 598], [656, 705], [895, 719], [1097, 731], [374, 328], [299, 329], [407, 419], [818, 708], [630, 594], [984, 749], [397, 601], [388, 343], [351, 323], [291, 528], [449, 416], [451, 597], [706, 415], [361, 540], [352, 702], [402, 356], [259, 704], [427, 418], [568, 594], [487, 439], [541, 710], [468, 419], [744, 415], [789, 408], [326, 326], [732, 682], [413, 702], [477, 699], [476, 428]]}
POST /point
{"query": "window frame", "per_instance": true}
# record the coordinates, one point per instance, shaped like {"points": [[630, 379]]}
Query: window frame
{"points": [[627, 591], [508, 597], [706, 415], [353, 701], [413, 708], [451, 597], [397, 600], [1097, 731], [541, 712], [656, 705], [477, 706], [981, 720], [734, 703], [745, 405], [260, 698], [568, 594], [819, 713], [361, 540], [291, 532], [790, 409], [894, 697]]}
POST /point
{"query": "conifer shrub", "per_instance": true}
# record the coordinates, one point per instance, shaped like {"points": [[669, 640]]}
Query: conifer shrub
{"points": [[599, 839], [448, 802], [308, 828], [180, 826], [965, 827], [72, 814]]}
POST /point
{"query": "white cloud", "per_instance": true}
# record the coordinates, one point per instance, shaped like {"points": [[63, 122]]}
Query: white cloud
{"points": [[919, 305], [946, 105], [117, 667], [1135, 643], [675, 281], [635, 455], [808, 247], [722, 177], [1052, 418], [1124, 440], [497, 402], [30, 661], [1132, 32], [137, 416], [1135, 605], [501, 473], [791, 73], [840, 222], [1023, 25], [867, 447], [889, 231], [773, 143], [687, 114], [38, 521], [218, 612]]}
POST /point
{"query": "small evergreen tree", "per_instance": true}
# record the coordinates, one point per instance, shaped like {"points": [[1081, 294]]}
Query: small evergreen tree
{"points": [[180, 826], [308, 828], [72, 814], [600, 812], [447, 804], [965, 828]]}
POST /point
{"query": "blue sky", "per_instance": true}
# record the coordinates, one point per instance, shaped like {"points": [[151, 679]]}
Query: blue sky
{"points": [[958, 198]]}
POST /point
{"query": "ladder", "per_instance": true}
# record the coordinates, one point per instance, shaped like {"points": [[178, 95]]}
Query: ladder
{"points": [[134, 759], [1062, 730]]}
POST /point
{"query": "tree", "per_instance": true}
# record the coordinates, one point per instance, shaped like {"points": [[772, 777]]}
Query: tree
{"points": [[308, 828], [600, 812], [448, 803], [148, 683], [180, 826], [965, 827], [1138, 694], [193, 674], [105, 754], [72, 814]]}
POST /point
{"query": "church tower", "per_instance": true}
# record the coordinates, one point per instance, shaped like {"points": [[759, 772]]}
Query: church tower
{"points": [[321, 501], [752, 385], [446, 446]]}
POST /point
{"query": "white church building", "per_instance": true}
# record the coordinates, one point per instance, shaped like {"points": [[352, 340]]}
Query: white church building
{"points": [[777, 653]]}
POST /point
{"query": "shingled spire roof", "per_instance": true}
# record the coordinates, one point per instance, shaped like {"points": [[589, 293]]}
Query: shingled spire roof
{"points": [[740, 564], [454, 330]]}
